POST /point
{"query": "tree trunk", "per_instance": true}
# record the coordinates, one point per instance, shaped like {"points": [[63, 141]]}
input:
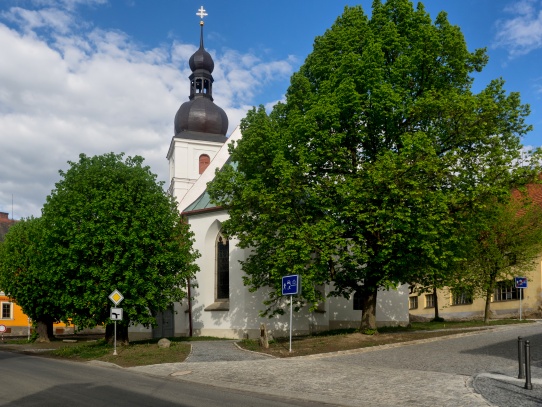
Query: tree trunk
{"points": [[44, 328], [368, 308], [122, 333], [435, 300], [264, 338], [488, 305], [489, 292]]}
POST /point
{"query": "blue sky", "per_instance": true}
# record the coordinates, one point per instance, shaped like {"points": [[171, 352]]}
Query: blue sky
{"points": [[94, 76]]}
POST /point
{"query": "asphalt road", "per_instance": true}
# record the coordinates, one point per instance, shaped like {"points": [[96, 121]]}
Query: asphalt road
{"points": [[30, 381], [476, 369]]}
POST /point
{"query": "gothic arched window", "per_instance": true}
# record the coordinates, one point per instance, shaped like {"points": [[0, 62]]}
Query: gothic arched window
{"points": [[222, 268]]}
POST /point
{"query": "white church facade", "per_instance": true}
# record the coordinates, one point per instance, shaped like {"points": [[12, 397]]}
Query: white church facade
{"points": [[220, 304]]}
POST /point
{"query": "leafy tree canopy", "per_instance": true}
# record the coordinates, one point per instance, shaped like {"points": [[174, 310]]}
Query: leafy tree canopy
{"points": [[25, 279], [379, 151], [109, 225], [504, 243]]}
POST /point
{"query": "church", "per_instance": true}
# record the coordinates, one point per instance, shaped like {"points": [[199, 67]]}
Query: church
{"points": [[220, 305]]}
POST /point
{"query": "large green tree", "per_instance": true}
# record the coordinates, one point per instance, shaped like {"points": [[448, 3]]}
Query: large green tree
{"points": [[359, 179], [504, 243], [110, 225], [24, 277]]}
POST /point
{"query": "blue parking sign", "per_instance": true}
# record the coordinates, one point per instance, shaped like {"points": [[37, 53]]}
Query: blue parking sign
{"points": [[291, 285], [521, 282]]}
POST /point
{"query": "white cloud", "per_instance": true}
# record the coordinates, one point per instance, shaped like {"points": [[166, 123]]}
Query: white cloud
{"points": [[95, 91], [68, 4], [46, 18], [522, 33]]}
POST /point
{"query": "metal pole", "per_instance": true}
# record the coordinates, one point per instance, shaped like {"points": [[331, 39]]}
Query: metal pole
{"points": [[115, 340], [520, 358], [520, 297], [190, 331], [528, 384], [291, 302]]}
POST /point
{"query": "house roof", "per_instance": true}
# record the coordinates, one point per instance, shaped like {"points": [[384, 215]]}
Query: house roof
{"points": [[5, 224], [533, 191]]}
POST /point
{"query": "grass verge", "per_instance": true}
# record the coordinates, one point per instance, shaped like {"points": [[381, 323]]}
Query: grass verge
{"points": [[140, 353], [347, 339], [135, 354]]}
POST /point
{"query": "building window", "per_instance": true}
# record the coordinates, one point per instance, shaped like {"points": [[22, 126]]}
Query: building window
{"points": [[6, 310], [222, 268], [357, 301], [204, 161], [505, 291], [461, 297], [429, 301], [413, 302]]}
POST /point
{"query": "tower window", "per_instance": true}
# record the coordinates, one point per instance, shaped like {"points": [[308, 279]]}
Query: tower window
{"points": [[204, 161], [198, 85]]}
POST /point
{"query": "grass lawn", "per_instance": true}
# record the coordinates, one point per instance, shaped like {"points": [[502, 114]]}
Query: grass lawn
{"points": [[137, 353], [346, 339], [140, 353]]}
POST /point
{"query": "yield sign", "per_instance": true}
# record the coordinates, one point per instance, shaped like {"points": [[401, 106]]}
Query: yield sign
{"points": [[116, 297]]}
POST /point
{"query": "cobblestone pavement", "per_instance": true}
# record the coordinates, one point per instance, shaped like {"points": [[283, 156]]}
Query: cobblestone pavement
{"points": [[473, 369]]}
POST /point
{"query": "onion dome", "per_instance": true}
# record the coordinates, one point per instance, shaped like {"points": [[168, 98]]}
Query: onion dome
{"points": [[200, 114], [201, 58]]}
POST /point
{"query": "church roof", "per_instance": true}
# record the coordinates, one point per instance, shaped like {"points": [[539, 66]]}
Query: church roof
{"points": [[203, 202]]}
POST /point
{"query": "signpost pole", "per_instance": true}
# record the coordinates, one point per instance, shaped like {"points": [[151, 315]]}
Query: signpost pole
{"points": [[116, 297], [115, 340], [291, 286], [291, 301], [521, 284], [520, 295]]}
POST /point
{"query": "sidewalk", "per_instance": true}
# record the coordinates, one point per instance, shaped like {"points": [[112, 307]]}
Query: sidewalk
{"points": [[318, 378]]}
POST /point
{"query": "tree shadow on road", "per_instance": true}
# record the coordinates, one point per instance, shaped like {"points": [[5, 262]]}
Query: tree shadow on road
{"points": [[509, 349], [88, 394]]}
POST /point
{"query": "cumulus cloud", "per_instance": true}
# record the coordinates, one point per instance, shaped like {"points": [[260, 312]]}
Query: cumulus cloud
{"points": [[66, 91], [522, 32]]}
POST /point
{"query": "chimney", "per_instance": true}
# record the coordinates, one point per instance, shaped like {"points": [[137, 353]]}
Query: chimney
{"points": [[4, 215]]}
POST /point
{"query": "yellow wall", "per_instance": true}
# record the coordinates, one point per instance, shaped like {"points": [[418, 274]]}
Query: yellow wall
{"points": [[18, 324], [531, 303]]}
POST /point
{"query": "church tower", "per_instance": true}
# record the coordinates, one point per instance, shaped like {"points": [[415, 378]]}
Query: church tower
{"points": [[200, 125]]}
